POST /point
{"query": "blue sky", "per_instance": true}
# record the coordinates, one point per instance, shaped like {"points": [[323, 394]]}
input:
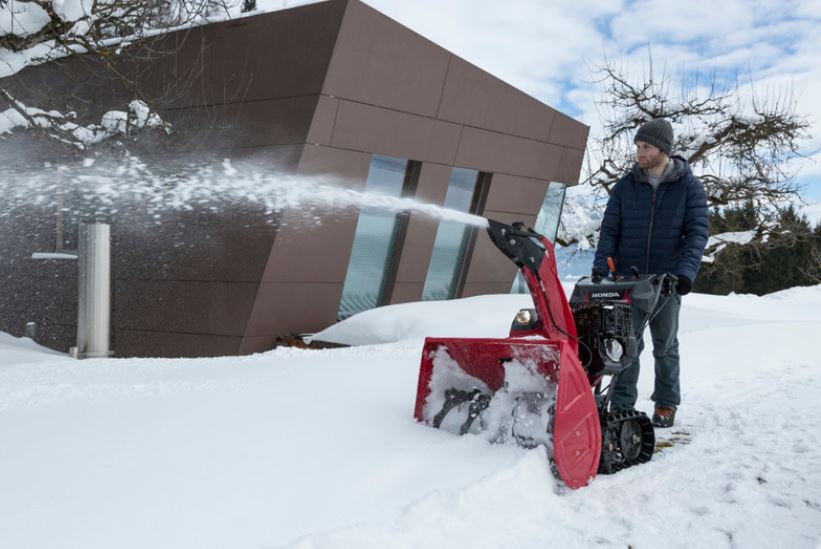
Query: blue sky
{"points": [[550, 48]]}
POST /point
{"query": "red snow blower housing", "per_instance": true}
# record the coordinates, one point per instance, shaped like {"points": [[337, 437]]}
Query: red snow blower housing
{"points": [[542, 385]]}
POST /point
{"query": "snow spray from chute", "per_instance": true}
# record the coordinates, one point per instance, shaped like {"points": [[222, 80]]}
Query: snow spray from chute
{"points": [[104, 191], [95, 194]]}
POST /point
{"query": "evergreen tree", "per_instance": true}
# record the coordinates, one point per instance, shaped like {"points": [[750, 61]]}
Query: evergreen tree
{"points": [[786, 256]]}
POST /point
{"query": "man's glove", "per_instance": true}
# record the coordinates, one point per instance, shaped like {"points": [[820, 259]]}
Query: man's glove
{"points": [[684, 285]]}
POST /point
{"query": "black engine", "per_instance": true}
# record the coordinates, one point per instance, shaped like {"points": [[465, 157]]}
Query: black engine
{"points": [[608, 315]]}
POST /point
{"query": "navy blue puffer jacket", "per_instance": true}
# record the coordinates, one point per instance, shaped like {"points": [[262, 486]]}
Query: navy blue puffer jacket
{"points": [[662, 231]]}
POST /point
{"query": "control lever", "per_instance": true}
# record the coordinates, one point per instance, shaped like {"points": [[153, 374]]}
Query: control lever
{"points": [[612, 266], [668, 284]]}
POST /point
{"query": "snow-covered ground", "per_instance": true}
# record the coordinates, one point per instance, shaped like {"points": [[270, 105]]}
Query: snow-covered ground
{"points": [[315, 449]]}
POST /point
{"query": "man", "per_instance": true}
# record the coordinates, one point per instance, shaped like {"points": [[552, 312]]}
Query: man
{"points": [[656, 221]]}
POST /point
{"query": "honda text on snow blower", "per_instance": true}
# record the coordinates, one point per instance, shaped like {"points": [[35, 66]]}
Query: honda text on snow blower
{"points": [[542, 385]]}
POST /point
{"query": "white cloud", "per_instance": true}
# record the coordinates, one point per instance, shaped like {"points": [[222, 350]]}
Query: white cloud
{"points": [[809, 8], [662, 21]]}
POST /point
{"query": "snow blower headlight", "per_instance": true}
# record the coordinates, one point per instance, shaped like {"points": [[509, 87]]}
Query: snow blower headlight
{"points": [[524, 317], [526, 320]]}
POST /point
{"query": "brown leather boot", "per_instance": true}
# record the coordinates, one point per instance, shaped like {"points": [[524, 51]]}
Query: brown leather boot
{"points": [[664, 416]]}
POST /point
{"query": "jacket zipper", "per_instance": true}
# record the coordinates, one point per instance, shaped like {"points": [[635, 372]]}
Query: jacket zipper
{"points": [[650, 232]]}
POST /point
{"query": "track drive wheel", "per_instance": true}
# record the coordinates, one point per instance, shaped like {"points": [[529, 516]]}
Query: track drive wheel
{"points": [[627, 439]]}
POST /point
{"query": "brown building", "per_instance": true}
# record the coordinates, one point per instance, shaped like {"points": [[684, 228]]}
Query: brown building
{"points": [[327, 88]]}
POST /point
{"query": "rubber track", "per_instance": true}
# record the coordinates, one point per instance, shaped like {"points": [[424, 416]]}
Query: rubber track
{"points": [[612, 459]]}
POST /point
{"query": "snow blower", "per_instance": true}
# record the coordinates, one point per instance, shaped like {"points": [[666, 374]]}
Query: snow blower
{"points": [[542, 385]]}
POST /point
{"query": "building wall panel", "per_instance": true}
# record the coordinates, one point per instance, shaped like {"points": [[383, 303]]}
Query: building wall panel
{"points": [[50, 301], [484, 288], [494, 152], [324, 119], [393, 133], [513, 194], [406, 292], [276, 55], [568, 132], [207, 308], [230, 245], [570, 166], [148, 343], [294, 307], [381, 63], [249, 124], [473, 97]]}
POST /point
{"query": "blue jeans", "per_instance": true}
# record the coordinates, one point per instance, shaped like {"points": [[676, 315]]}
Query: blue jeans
{"points": [[664, 332]]}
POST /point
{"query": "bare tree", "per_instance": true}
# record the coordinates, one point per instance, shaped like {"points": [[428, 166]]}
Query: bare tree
{"points": [[740, 149], [99, 26], [104, 33]]}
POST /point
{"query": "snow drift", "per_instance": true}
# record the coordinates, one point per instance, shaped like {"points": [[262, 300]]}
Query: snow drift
{"points": [[314, 449]]}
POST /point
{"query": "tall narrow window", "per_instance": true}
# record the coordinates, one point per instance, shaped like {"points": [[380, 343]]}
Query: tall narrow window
{"points": [[452, 238], [374, 244], [547, 223]]}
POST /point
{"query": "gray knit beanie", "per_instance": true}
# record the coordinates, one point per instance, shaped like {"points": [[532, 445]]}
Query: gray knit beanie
{"points": [[658, 133]]}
